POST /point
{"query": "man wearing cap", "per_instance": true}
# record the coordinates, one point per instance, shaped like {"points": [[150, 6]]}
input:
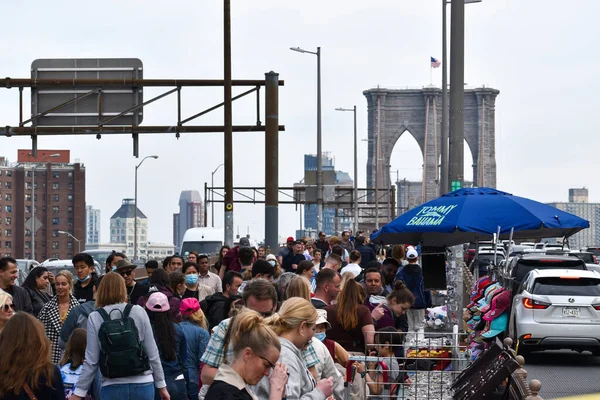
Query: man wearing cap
{"points": [[134, 290], [231, 261], [286, 251], [412, 276], [326, 368], [291, 261]]}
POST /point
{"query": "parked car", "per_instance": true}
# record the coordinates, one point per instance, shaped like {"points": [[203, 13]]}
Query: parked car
{"points": [[521, 265], [557, 309], [24, 266]]}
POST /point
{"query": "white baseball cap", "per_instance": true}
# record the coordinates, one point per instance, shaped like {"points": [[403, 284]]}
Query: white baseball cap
{"points": [[411, 254]]}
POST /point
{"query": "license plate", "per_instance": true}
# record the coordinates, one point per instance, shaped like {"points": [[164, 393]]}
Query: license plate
{"points": [[571, 312]]}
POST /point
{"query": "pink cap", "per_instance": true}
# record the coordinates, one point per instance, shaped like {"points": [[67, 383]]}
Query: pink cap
{"points": [[189, 306], [500, 303], [158, 302]]}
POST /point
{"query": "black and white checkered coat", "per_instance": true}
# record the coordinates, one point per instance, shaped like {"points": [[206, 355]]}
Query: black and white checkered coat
{"points": [[51, 320]]}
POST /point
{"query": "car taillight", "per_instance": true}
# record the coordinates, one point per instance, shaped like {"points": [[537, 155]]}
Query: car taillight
{"points": [[595, 260], [596, 306], [569, 277], [534, 304]]}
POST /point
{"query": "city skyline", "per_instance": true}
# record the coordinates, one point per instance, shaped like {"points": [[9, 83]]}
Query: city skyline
{"points": [[508, 47]]}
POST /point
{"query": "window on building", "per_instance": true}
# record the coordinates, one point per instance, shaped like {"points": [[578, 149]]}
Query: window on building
{"points": [[122, 238], [8, 220], [55, 245], [8, 209], [28, 174], [56, 174], [55, 209], [54, 255], [27, 245], [7, 244], [27, 209], [8, 185], [8, 173], [70, 186], [69, 245], [55, 197], [70, 174], [70, 209], [70, 221], [27, 232], [55, 186], [28, 185], [55, 221], [131, 231], [129, 237], [70, 197], [8, 197], [112, 232]]}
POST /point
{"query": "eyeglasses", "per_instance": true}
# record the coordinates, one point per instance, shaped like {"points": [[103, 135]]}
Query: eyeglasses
{"points": [[6, 307], [126, 273], [271, 365]]}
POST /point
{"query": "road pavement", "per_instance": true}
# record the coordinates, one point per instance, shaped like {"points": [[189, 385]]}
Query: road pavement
{"points": [[564, 373]]}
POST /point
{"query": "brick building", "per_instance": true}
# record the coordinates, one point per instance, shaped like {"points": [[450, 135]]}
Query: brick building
{"points": [[59, 205]]}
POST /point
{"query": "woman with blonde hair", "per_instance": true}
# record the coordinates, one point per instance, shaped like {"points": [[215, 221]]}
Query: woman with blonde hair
{"points": [[351, 322], [54, 313], [7, 308], [111, 304], [295, 326], [299, 286], [256, 350], [194, 328], [27, 371]]}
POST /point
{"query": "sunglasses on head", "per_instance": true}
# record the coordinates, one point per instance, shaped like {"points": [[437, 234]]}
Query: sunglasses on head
{"points": [[6, 307]]}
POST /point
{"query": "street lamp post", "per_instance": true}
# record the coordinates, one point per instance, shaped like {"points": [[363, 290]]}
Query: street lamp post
{"points": [[453, 135], [135, 237], [319, 151], [55, 155], [212, 194], [74, 238], [355, 168]]}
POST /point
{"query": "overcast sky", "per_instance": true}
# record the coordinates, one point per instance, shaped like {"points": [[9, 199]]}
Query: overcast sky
{"points": [[540, 54]]}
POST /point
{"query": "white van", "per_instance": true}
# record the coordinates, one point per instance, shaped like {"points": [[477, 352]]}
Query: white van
{"points": [[203, 241]]}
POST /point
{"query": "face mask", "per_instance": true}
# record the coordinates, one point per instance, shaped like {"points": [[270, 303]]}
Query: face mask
{"points": [[84, 279], [191, 279], [113, 268], [272, 263], [320, 336]]}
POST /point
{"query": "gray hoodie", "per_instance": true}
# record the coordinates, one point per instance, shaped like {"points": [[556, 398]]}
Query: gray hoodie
{"points": [[301, 384]]}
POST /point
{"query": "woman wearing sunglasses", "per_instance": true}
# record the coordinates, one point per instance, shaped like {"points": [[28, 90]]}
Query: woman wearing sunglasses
{"points": [[256, 350], [7, 308]]}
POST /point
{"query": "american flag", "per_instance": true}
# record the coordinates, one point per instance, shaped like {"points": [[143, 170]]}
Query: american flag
{"points": [[435, 63]]}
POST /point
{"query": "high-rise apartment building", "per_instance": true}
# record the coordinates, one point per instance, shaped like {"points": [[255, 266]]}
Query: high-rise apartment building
{"points": [[578, 205], [190, 215], [59, 196], [92, 229]]}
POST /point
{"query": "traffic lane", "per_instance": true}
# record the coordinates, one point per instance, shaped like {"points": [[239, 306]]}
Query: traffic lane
{"points": [[564, 373]]}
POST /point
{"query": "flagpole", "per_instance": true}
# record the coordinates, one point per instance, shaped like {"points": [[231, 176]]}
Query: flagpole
{"points": [[430, 74]]}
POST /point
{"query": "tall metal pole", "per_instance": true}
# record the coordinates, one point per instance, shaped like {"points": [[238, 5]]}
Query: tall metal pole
{"points": [[444, 147], [135, 216], [319, 150], [33, 212], [212, 193], [457, 93], [228, 124], [272, 161], [355, 175]]}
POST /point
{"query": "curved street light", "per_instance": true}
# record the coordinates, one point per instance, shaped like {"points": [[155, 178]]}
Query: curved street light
{"points": [[135, 237]]}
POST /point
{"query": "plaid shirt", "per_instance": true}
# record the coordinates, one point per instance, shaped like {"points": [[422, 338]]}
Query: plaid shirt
{"points": [[213, 355]]}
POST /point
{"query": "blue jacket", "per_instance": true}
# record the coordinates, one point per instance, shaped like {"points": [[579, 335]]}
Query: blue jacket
{"points": [[412, 276], [196, 339], [174, 368]]}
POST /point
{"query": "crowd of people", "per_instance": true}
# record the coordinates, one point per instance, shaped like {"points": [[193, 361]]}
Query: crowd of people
{"points": [[253, 325]]}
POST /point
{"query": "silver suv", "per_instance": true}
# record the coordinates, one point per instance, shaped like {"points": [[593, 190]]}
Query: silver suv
{"points": [[557, 309]]}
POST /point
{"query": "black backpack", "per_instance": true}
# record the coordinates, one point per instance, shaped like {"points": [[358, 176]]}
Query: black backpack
{"points": [[121, 352]]}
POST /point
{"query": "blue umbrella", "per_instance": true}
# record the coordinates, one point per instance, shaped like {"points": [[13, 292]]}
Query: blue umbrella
{"points": [[473, 214]]}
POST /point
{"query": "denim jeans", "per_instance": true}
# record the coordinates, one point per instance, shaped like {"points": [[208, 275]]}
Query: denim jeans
{"points": [[128, 391], [176, 388]]}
